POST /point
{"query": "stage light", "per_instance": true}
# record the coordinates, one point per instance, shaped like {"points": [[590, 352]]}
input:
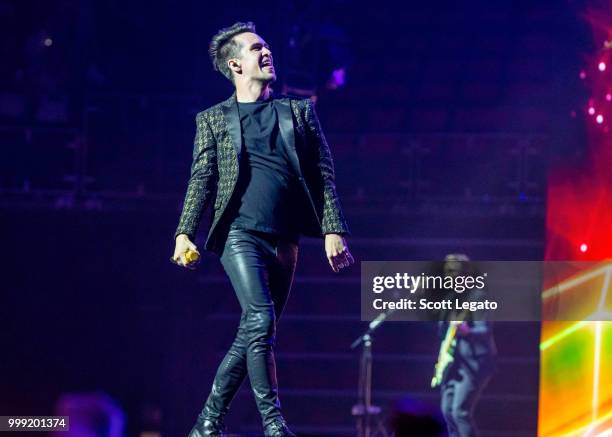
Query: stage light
{"points": [[602, 66], [608, 97], [582, 74], [591, 111], [584, 247], [599, 119], [48, 42]]}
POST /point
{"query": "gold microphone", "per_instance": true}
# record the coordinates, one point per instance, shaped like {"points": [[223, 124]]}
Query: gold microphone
{"points": [[191, 256]]}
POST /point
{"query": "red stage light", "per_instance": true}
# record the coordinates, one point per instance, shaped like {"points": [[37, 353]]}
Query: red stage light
{"points": [[602, 66], [591, 111], [599, 119], [583, 247]]}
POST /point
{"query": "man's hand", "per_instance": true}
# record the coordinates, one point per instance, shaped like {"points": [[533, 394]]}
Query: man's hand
{"points": [[463, 329], [337, 252], [182, 245]]}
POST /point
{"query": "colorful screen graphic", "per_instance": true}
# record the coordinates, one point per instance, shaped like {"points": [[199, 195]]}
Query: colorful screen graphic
{"points": [[576, 360]]}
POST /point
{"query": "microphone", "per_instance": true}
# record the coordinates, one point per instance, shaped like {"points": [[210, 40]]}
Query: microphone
{"points": [[372, 327], [191, 256], [379, 319]]}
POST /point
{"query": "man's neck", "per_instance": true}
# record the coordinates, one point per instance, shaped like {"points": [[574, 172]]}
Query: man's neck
{"points": [[252, 92]]}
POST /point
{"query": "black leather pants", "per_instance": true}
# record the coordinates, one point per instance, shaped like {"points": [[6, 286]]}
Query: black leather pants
{"points": [[260, 268]]}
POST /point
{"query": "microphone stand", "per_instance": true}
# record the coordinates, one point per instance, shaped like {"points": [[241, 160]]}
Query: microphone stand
{"points": [[364, 411]]}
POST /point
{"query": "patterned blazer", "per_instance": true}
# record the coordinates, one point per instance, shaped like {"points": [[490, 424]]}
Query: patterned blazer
{"points": [[216, 155]]}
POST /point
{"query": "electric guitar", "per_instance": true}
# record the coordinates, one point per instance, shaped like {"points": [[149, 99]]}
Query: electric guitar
{"points": [[446, 354]]}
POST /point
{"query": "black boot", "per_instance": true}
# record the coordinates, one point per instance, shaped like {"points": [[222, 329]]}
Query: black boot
{"points": [[278, 428], [207, 428]]}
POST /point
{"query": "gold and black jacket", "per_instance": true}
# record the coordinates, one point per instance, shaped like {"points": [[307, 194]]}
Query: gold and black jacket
{"points": [[216, 156]]}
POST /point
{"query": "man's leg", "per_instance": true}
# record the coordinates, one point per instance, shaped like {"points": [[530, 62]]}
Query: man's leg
{"points": [[280, 278], [447, 393], [467, 391], [261, 279], [229, 377], [233, 368]]}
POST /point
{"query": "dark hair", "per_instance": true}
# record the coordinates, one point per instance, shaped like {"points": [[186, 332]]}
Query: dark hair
{"points": [[223, 46]]}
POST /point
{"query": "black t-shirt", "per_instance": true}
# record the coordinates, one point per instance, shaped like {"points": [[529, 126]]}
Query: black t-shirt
{"points": [[269, 196]]}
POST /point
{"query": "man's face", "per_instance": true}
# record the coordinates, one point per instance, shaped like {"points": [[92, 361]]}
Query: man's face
{"points": [[453, 268], [255, 58]]}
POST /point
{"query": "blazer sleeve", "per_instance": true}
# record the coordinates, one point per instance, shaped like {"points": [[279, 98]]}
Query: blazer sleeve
{"points": [[203, 178], [333, 221]]}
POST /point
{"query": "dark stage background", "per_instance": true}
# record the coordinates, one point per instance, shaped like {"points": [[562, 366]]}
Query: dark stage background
{"points": [[448, 117]]}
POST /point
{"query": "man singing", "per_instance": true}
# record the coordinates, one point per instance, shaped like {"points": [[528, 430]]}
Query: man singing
{"points": [[265, 163]]}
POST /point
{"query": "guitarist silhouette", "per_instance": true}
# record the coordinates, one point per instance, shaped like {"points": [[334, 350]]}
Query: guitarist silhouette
{"points": [[466, 360]]}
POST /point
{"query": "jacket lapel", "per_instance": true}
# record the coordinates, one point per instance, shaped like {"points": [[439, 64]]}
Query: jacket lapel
{"points": [[232, 119], [285, 122], [286, 128]]}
